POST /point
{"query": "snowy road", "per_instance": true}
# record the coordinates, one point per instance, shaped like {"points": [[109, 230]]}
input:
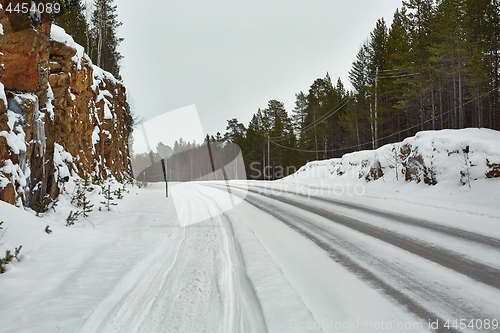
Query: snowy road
{"points": [[276, 262], [436, 272], [202, 289], [399, 254]]}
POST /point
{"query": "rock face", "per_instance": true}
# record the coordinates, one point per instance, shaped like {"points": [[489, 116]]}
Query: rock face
{"points": [[59, 114]]}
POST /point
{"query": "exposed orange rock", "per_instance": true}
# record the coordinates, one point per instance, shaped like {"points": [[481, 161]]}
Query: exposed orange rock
{"points": [[34, 67], [494, 171], [25, 50]]}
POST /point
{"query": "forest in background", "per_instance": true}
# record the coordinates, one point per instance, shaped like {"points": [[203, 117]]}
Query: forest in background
{"points": [[435, 67]]}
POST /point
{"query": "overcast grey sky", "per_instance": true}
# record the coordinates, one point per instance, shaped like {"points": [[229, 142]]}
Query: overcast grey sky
{"points": [[231, 57]]}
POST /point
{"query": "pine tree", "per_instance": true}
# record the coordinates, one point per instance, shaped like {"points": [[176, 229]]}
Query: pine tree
{"points": [[73, 21], [359, 73], [299, 112], [450, 49], [105, 41], [377, 65], [420, 14], [72, 218], [235, 131], [281, 132], [359, 78], [493, 64], [314, 129], [81, 199], [397, 74], [235, 136], [481, 17], [256, 141]]}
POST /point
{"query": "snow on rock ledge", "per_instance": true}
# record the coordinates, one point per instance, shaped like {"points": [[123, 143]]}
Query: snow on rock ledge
{"points": [[447, 156], [72, 116]]}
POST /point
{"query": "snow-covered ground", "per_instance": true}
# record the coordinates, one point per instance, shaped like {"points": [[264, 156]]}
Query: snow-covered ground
{"points": [[139, 270], [318, 253]]}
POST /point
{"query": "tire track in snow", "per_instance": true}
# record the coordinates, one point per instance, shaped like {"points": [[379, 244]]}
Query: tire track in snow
{"points": [[242, 299], [473, 269], [355, 259], [191, 299], [348, 262], [399, 218], [267, 285], [200, 291], [118, 311], [160, 296]]}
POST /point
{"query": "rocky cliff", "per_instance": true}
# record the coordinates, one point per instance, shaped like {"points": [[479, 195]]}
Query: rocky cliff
{"points": [[59, 114]]}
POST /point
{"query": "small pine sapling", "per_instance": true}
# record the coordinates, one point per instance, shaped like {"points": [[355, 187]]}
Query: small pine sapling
{"points": [[4, 261], [87, 184], [79, 196], [87, 207], [124, 188], [8, 257], [81, 199], [108, 195], [72, 218], [430, 172], [47, 230], [2, 266], [97, 181], [118, 193], [131, 181]]}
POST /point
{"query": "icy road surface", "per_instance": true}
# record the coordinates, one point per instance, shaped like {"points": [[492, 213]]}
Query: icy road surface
{"points": [[277, 262]]}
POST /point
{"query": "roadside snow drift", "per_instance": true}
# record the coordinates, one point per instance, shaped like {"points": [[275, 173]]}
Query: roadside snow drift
{"points": [[454, 156]]}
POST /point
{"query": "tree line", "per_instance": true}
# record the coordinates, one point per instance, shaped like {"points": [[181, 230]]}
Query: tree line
{"points": [[215, 159], [436, 66]]}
